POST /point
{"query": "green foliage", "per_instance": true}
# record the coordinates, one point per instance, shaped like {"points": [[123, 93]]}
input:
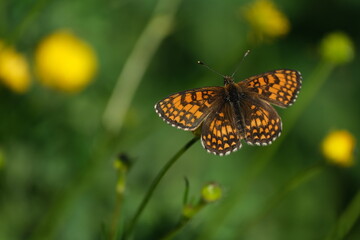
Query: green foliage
{"points": [[57, 177]]}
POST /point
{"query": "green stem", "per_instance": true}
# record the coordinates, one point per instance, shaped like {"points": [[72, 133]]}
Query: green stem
{"points": [[170, 235], [155, 32], [183, 221], [347, 220], [154, 184], [122, 165], [116, 216]]}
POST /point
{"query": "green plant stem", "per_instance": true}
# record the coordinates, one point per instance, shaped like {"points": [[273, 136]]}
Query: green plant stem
{"points": [[347, 220], [122, 165], [154, 184], [116, 216], [170, 235], [155, 32], [183, 221], [176, 230], [301, 178], [311, 85], [186, 192]]}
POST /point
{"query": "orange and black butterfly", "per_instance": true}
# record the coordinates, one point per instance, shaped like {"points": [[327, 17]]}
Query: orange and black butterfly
{"points": [[235, 112]]}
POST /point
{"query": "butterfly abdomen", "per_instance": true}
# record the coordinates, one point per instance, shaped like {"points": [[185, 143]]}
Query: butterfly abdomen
{"points": [[235, 96]]}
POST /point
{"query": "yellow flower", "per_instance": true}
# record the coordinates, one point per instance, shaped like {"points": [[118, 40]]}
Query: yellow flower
{"points": [[338, 148], [266, 20], [14, 69], [65, 62], [337, 48]]}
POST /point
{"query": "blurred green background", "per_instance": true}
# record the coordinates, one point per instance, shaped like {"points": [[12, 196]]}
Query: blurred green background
{"points": [[57, 179]]}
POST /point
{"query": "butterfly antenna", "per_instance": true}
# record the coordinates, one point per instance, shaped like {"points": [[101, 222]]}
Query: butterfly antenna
{"points": [[242, 59], [205, 65]]}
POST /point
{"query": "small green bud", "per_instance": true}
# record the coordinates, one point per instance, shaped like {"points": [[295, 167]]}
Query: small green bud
{"points": [[189, 211], [122, 164], [211, 192], [337, 48]]}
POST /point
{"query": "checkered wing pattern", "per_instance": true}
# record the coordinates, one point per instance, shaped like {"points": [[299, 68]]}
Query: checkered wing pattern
{"points": [[262, 123], [219, 134], [279, 87], [238, 111], [187, 110]]}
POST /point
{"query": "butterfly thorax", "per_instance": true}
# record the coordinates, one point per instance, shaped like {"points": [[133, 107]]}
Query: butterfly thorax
{"points": [[228, 80], [234, 92]]}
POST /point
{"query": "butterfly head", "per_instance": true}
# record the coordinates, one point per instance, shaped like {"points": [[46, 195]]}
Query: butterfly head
{"points": [[228, 80]]}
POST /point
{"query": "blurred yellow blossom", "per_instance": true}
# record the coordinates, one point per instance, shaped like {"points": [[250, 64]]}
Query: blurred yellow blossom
{"points": [[338, 147], [266, 20], [14, 69], [337, 48], [65, 62]]}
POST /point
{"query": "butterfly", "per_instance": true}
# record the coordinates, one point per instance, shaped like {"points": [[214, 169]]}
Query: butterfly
{"points": [[236, 112]]}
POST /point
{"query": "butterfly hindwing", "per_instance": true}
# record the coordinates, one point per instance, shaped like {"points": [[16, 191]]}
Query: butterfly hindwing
{"points": [[187, 110], [262, 123], [219, 133]]}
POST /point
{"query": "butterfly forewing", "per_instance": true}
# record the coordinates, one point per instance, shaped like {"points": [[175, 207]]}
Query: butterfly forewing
{"points": [[187, 110], [279, 87], [219, 133]]}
